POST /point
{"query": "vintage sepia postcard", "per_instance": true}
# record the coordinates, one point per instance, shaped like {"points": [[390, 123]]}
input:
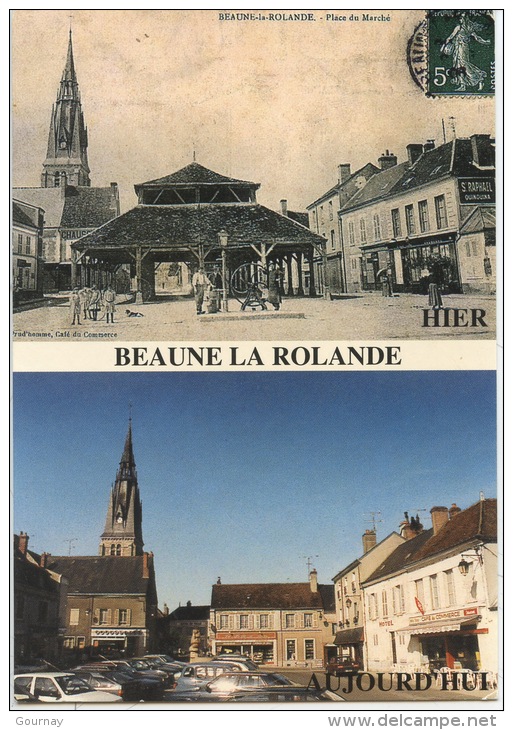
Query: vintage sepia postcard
{"points": [[254, 334]]}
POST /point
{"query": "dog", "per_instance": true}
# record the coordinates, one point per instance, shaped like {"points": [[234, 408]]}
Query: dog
{"points": [[129, 313]]}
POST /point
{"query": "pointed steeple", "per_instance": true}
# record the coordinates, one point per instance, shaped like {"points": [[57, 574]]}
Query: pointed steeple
{"points": [[66, 158], [123, 526]]}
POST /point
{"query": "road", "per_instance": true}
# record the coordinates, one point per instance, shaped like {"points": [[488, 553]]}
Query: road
{"points": [[367, 316]]}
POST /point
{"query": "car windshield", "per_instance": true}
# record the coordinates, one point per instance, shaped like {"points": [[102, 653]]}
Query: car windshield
{"points": [[72, 685], [140, 664]]}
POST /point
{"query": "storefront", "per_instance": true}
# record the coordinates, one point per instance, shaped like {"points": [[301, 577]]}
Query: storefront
{"points": [[349, 643], [448, 639], [260, 646], [412, 265], [126, 641]]}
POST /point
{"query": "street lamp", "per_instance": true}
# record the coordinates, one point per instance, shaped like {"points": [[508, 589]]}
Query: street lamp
{"points": [[464, 565], [223, 242]]}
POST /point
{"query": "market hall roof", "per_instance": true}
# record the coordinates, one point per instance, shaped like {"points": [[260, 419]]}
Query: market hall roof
{"points": [[180, 227], [195, 174]]}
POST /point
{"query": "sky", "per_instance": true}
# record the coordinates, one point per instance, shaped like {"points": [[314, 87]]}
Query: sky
{"points": [[281, 104], [246, 476]]}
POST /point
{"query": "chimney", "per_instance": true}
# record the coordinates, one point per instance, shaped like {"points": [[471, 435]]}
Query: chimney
{"points": [[313, 581], [344, 173], [189, 604], [23, 543], [410, 527], [454, 509], [146, 564], [440, 516], [414, 152], [284, 209], [387, 159], [430, 145], [483, 153], [43, 560], [369, 540], [219, 580]]}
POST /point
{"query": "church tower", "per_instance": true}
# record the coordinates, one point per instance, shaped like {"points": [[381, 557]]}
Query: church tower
{"points": [[66, 157], [123, 527]]}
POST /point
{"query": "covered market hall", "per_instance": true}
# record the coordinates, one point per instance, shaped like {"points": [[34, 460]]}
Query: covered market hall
{"points": [[196, 218]]}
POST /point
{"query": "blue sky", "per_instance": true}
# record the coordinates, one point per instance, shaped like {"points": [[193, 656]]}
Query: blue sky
{"points": [[245, 476]]}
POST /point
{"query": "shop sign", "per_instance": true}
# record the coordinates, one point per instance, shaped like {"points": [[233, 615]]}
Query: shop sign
{"points": [[245, 635], [477, 190], [456, 614], [115, 634]]}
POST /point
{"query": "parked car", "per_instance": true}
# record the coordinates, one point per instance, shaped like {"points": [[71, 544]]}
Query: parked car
{"points": [[195, 676], [341, 665], [144, 669], [230, 683], [171, 669], [245, 665], [58, 687], [148, 688]]}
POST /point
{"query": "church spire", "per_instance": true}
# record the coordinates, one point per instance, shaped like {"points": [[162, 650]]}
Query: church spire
{"points": [[66, 158], [123, 527]]}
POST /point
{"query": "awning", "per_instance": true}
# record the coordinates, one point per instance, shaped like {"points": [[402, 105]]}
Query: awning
{"points": [[349, 636], [438, 627]]}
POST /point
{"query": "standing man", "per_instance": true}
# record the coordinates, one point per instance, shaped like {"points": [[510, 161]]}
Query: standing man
{"points": [[94, 302], [74, 305], [200, 284], [109, 297], [85, 297]]}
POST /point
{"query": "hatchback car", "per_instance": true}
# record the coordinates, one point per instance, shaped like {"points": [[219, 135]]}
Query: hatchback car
{"points": [[338, 666], [58, 687]]}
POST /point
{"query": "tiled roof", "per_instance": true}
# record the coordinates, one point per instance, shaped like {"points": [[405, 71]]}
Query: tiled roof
{"points": [[19, 216], [186, 225], [30, 574], [347, 187], [267, 595], [480, 219], [196, 174], [478, 522], [86, 207], [190, 613], [378, 186], [298, 217], [102, 574]]}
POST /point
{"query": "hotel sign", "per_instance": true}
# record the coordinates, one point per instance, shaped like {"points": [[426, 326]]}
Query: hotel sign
{"points": [[458, 614], [477, 190]]}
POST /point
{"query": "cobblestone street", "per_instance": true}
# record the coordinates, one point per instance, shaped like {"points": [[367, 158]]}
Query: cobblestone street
{"points": [[366, 316]]}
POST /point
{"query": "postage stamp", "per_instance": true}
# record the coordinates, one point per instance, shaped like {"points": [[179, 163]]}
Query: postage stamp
{"points": [[461, 52]]}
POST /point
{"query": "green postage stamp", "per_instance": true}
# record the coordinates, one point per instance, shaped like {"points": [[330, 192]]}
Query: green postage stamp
{"points": [[461, 52]]}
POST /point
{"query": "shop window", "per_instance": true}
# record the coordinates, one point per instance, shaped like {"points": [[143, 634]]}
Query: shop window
{"points": [[80, 642], [69, 642]]}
